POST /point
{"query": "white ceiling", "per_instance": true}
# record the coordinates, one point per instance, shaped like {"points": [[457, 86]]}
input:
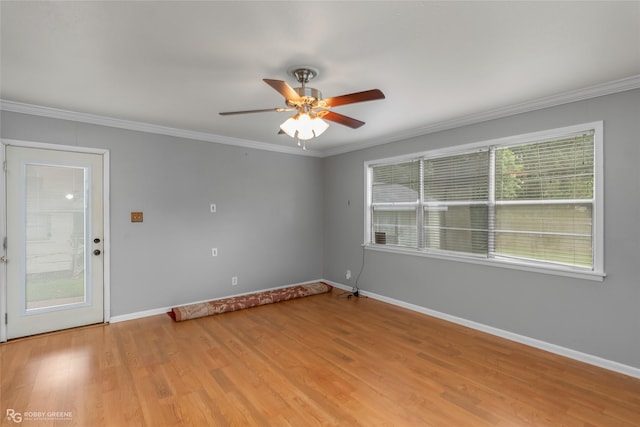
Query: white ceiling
{"points": [[177, 64]]}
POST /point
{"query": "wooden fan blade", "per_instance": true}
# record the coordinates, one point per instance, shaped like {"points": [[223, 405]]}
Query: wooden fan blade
{"points": [[283, 89], [343, 120], [277, 110], [367, 95]]}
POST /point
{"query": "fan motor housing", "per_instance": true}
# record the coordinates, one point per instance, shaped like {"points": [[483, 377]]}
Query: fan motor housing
{"points": [[309, 96]]}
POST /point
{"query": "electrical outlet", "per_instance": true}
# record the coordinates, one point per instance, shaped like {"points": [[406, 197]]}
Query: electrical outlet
{"points": [[214, 251], [348, 275], [234, 281], [212, 207]]}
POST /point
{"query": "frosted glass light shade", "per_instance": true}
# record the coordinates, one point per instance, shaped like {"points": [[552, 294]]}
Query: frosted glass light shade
{"points": [[319, 126], [305, 131], [290, 127], [303, 126]]}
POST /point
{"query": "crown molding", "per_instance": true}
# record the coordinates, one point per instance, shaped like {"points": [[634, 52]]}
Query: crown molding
{"points": [[616, 86], [55, 113], [595, 91]]}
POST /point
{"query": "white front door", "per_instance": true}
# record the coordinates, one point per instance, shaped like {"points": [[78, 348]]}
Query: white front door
{"points": [[55, 240]]}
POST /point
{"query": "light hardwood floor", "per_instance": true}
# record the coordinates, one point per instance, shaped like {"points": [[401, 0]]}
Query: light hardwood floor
{"points": [[320, 360]]}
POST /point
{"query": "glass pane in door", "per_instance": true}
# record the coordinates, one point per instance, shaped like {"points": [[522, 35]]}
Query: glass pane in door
{"points": [[55, 214]]}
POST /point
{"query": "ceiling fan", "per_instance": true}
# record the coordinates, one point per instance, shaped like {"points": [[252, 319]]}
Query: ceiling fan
{"points": [[310, 107]]}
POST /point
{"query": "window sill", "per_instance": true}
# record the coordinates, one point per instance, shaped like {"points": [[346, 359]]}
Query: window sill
{"points": [[577, 274]]}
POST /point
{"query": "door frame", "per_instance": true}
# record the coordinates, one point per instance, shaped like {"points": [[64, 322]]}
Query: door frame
{"points": [[105, 207]]}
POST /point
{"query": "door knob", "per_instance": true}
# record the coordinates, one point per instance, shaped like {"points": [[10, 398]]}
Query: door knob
{"points": [[96, 252], [96, 240]]}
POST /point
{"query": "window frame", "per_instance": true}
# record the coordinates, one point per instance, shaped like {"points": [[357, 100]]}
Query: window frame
{"points": [[595, 273]]}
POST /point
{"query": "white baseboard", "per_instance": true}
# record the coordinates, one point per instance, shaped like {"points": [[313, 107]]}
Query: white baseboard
{"points": [[139, 315], [543, 345]]}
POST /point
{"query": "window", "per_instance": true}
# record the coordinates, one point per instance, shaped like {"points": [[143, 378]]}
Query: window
{"points": [[395, 192], [526, 201], [455, 202]]}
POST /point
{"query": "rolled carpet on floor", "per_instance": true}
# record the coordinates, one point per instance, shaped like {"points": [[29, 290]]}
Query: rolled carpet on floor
{"points": [[209, 308]]}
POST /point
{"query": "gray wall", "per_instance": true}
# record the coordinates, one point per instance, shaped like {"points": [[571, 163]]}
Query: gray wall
{"points": [[597, 318], [268, 228], [285, 219]]}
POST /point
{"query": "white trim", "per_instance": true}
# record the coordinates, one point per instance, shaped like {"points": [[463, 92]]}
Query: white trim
{"points": [[598, 196], [164, 310], [532, 342], [55, 113], [616, 86], [139, 314], [519, 139], [491, 262], [3, 234], [368, 200], [106, 250], [53, 147], [106, 237], [609, 88]]}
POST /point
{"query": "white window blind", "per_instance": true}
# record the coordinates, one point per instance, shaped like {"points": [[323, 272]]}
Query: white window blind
{"points": [[544, 201], [456, 192], [395, 197]]}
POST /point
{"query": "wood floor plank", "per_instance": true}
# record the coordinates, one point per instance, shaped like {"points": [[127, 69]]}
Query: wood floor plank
{"points": [[322, 360]]}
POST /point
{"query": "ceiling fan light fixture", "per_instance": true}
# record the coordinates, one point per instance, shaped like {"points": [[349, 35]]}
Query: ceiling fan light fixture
{"points": [[303, 126], [312, 109]]}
